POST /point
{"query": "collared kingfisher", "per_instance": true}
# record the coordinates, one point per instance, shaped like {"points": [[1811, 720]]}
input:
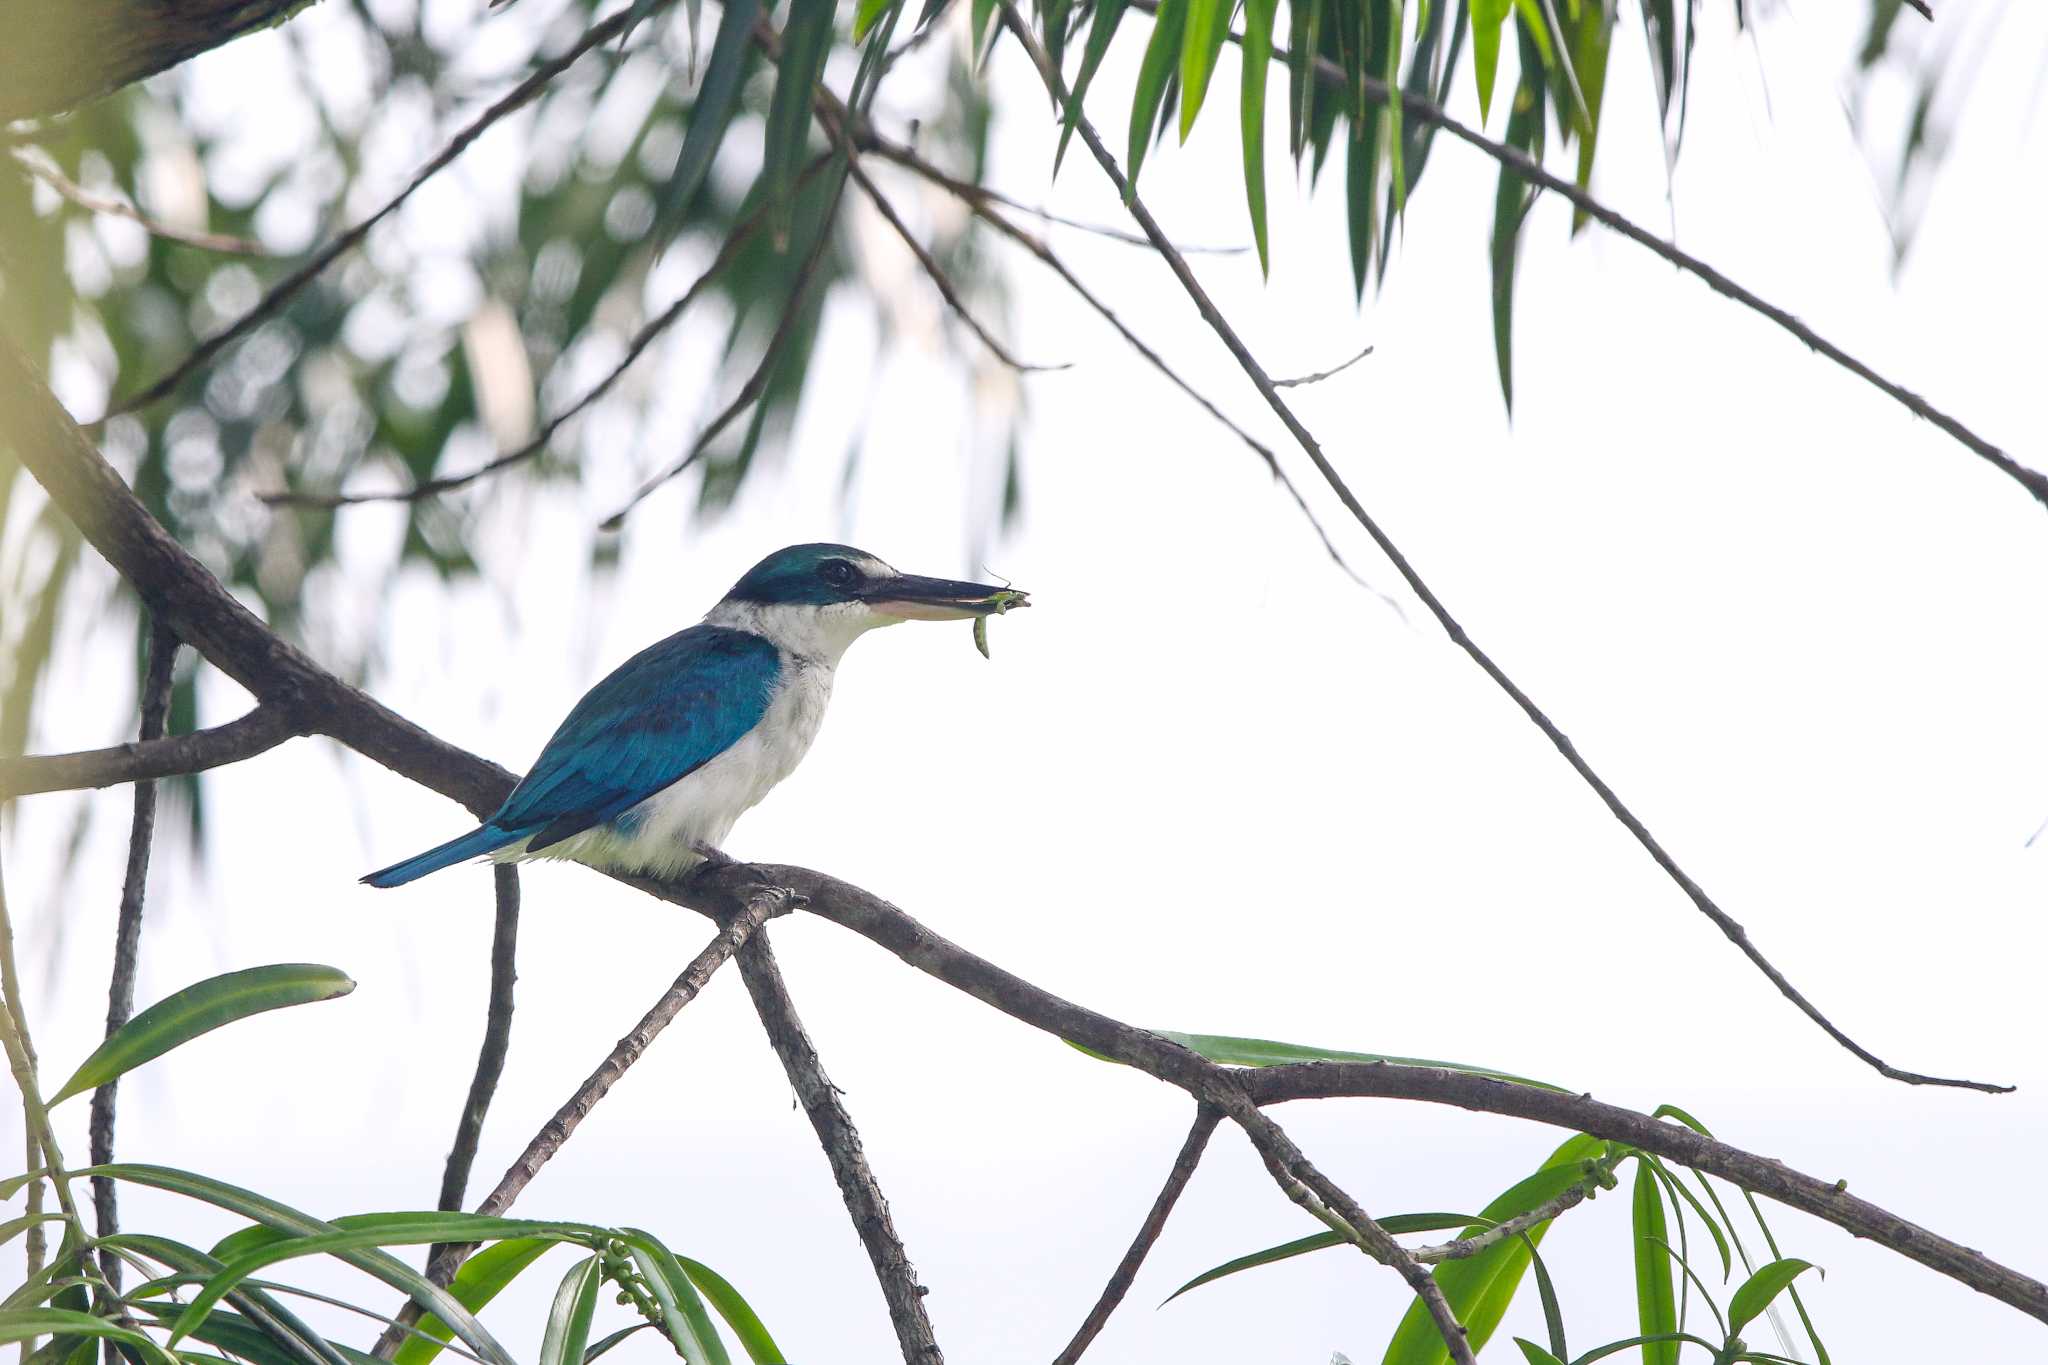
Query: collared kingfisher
{"points": [[658, 761]]}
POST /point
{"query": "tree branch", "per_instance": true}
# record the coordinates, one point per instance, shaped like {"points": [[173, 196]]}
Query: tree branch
{"points": [[38, 166], [262, 729], [865, 1204], [213, 622], [59, 56], [155, 709], [1126, 1272], [1264, 383], [490, 1059]]}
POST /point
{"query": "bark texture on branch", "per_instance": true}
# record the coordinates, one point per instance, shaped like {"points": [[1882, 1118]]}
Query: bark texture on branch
{"points": [[62, 53]]}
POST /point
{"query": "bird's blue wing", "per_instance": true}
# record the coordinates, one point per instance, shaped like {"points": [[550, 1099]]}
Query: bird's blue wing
{"points": [[664, 713]]}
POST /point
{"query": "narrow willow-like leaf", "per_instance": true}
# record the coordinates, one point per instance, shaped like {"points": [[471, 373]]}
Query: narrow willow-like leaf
{"points": [[1154, 73], [1234, 1051], [738, 1313], [482, 1278], [202, 1008], [14, 1227], [376, 1230], [285, 1330], [1546, 1292], [866, 13], [1258, 54], [405, 1227], [1487, 17], [611, 1339], [688, 1325], [1536, 1355], [12, 1185], [1677, 1189], [724, 74], [568, 1329], [981, 27], [1208, 24], [1671, 1339], [1510, 206], [1656, 1304], [384, 1266], [806, 40], [1758, 1290], [1479, 1288], [244, 1339], [1590, 44], [1304, 40], [1108, 14], [1056, 17], [24, 1324], [1301, 1246], [1692, 1278], [1390, 72]]}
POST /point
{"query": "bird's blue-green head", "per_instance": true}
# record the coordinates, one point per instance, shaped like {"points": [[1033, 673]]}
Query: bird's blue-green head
{"points": [[828, 595]]}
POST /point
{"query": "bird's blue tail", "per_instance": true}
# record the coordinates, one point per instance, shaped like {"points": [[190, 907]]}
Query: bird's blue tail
{"points": [[487, 839]]}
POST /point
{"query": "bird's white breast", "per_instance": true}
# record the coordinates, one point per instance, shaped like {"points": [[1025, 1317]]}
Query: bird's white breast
{"points": [[656, 836]]}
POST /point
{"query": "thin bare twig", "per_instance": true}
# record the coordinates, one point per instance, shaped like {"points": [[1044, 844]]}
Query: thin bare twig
{"points": [[1190, 1156], [1321, 375], [155, 710], [763, 902], [262, 729], [1261, 381], [1462, 1248], [947, 289], [743, 232], [21, 1060], [36, 1243], [285, 289], [865, 1204], [981, 203], [36, 165], [490, 1059]]}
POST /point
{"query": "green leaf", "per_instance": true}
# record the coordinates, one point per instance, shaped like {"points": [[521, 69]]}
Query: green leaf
{"points": [[202, 1008], [1672, 1339], [1590, 46], [1233, 1051], [482, 1278], [1692, 1277], [1510, 206], [864, 17], [568, 1329], [1056, 16], [14, 1227], [1399, 1223], [14, 1183], [1208, 24], [682, 1311], [1487, 17], [1258, 54], [1479, 1288], [289, 1336], [738, 1313], [1553, 1316], [1108, 14], [1656, 1305], [806, 40], [1536, 1355], [614, 1338], [371, 1231], [1758, 1290], [1390, 137], [385, 1267], [1677, 1189], [1154, 71], [242, 1338], [1304, 39], [725, 72], [26, 1323]]}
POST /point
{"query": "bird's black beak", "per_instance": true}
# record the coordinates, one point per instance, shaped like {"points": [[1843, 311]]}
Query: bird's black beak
{"points": [[912, 598]]}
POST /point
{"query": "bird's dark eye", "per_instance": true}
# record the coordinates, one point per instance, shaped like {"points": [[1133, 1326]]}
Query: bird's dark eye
{"points": [[838, 573]]}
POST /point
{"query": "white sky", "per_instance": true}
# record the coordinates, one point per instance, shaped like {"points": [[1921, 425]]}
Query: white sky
{"points": [[1209, 784]]}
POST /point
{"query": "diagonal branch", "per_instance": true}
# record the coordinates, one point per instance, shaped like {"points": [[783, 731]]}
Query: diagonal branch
{"points": [[155, 708], [42, 169], [758, 904], [865, 1204], [947, 289], [287, 288], [179, 755], [1126, 1272], [1264, 383]]}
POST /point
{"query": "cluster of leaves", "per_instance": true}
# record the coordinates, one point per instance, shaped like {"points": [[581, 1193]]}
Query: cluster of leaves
{"points": [[1481, 1287], [75, 1303]]}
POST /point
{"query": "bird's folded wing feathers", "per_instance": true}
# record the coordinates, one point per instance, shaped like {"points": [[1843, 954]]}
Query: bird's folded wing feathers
{"points": [[660, 716]]}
